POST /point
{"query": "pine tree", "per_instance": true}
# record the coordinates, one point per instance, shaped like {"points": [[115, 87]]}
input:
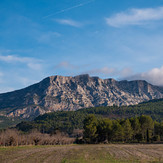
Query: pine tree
{"points": [[128, 131], [90, 129], [104, 129], [117, 131], [147, 126], [136, 127]]}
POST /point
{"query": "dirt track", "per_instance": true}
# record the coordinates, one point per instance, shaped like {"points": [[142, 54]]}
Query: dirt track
{"points": [[82, 153]]}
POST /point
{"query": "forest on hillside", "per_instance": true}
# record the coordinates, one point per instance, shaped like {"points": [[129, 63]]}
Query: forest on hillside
{"points": [[67, 121], [139, 123]]}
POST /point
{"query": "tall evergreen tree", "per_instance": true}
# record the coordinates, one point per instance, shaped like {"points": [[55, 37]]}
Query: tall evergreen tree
{"points": [[127, 129], [147, 126], [135, 126], [90, 129], [104, 129], [117, 131]]}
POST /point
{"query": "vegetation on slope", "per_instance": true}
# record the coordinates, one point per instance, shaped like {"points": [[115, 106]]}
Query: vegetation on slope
{"points": [[8, 122], [67, 121]]}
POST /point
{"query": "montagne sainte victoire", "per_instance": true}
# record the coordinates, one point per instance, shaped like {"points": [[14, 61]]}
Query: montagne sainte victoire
{"points": [[71, 93]]}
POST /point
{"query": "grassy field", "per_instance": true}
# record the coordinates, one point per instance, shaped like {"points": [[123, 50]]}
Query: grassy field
{"points": [[82, 154]]}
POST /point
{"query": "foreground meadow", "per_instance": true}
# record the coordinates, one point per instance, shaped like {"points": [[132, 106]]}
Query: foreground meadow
{"points": [[83, 154]]}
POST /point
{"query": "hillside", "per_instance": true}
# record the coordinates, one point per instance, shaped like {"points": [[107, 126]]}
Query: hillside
{"points": [[68, 121], [57, 93]]}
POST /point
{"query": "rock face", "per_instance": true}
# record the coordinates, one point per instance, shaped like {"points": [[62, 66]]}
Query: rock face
{"points": [[72, 93]]}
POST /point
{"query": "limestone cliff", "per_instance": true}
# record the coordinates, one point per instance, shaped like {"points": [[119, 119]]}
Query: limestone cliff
{"points": [[72, 93]]}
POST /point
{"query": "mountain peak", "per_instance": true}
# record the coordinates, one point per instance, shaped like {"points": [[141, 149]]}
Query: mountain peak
{"points": [[82, 76], [72, 93]]}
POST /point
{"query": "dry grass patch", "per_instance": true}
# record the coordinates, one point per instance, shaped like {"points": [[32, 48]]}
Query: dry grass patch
{"points": [[82, 154]]}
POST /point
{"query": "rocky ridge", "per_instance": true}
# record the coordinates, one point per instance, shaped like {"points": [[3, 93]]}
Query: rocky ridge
{"points": [[71, 93]]}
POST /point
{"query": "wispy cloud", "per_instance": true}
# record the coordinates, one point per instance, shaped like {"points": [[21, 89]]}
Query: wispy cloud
{"points": [[154, 76], [23, 71], [135, 17], [65, 65], [1, 75], [113, 72], [69, 22], [30, 62], [68, 9], [6, 89], [24, 81], [47, 37], [103, 71]]}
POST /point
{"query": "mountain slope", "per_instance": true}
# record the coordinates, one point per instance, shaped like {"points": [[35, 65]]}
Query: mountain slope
{"points": [[67, 121], [72, 93]]}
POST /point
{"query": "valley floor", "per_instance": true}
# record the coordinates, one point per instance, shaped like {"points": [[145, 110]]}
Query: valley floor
{"points": [[116, 153]]}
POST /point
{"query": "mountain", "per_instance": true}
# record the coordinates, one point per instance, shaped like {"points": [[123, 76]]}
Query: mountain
{"points": [[71, 93]]}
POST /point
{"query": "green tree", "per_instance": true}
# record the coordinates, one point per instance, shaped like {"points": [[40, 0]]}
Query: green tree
{"points": [[158, 130], [90, 129], [147, 126], [127, 129], [161, 131], [104, 129], [136, 127], [117, 131]]}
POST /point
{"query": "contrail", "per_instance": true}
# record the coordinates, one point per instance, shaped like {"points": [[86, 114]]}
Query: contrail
{"points": [[67, 9]]}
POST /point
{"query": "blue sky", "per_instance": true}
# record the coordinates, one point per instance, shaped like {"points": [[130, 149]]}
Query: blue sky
{"points": [[106, 38]]}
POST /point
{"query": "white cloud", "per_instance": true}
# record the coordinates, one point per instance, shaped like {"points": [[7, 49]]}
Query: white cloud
{"points": [[69, 22], [30, 62], [154, 76], [135, 17]]}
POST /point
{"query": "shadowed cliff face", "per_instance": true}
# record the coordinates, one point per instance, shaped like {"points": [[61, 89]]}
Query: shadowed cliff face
{"points": [[72, 93]]}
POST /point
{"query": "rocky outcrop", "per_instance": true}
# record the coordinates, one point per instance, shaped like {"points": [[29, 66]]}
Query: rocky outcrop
{"points": [[72, 93]]}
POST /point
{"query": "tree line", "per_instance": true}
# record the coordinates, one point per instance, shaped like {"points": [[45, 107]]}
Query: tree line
{"points": [[142, 129], [137, 129]]}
